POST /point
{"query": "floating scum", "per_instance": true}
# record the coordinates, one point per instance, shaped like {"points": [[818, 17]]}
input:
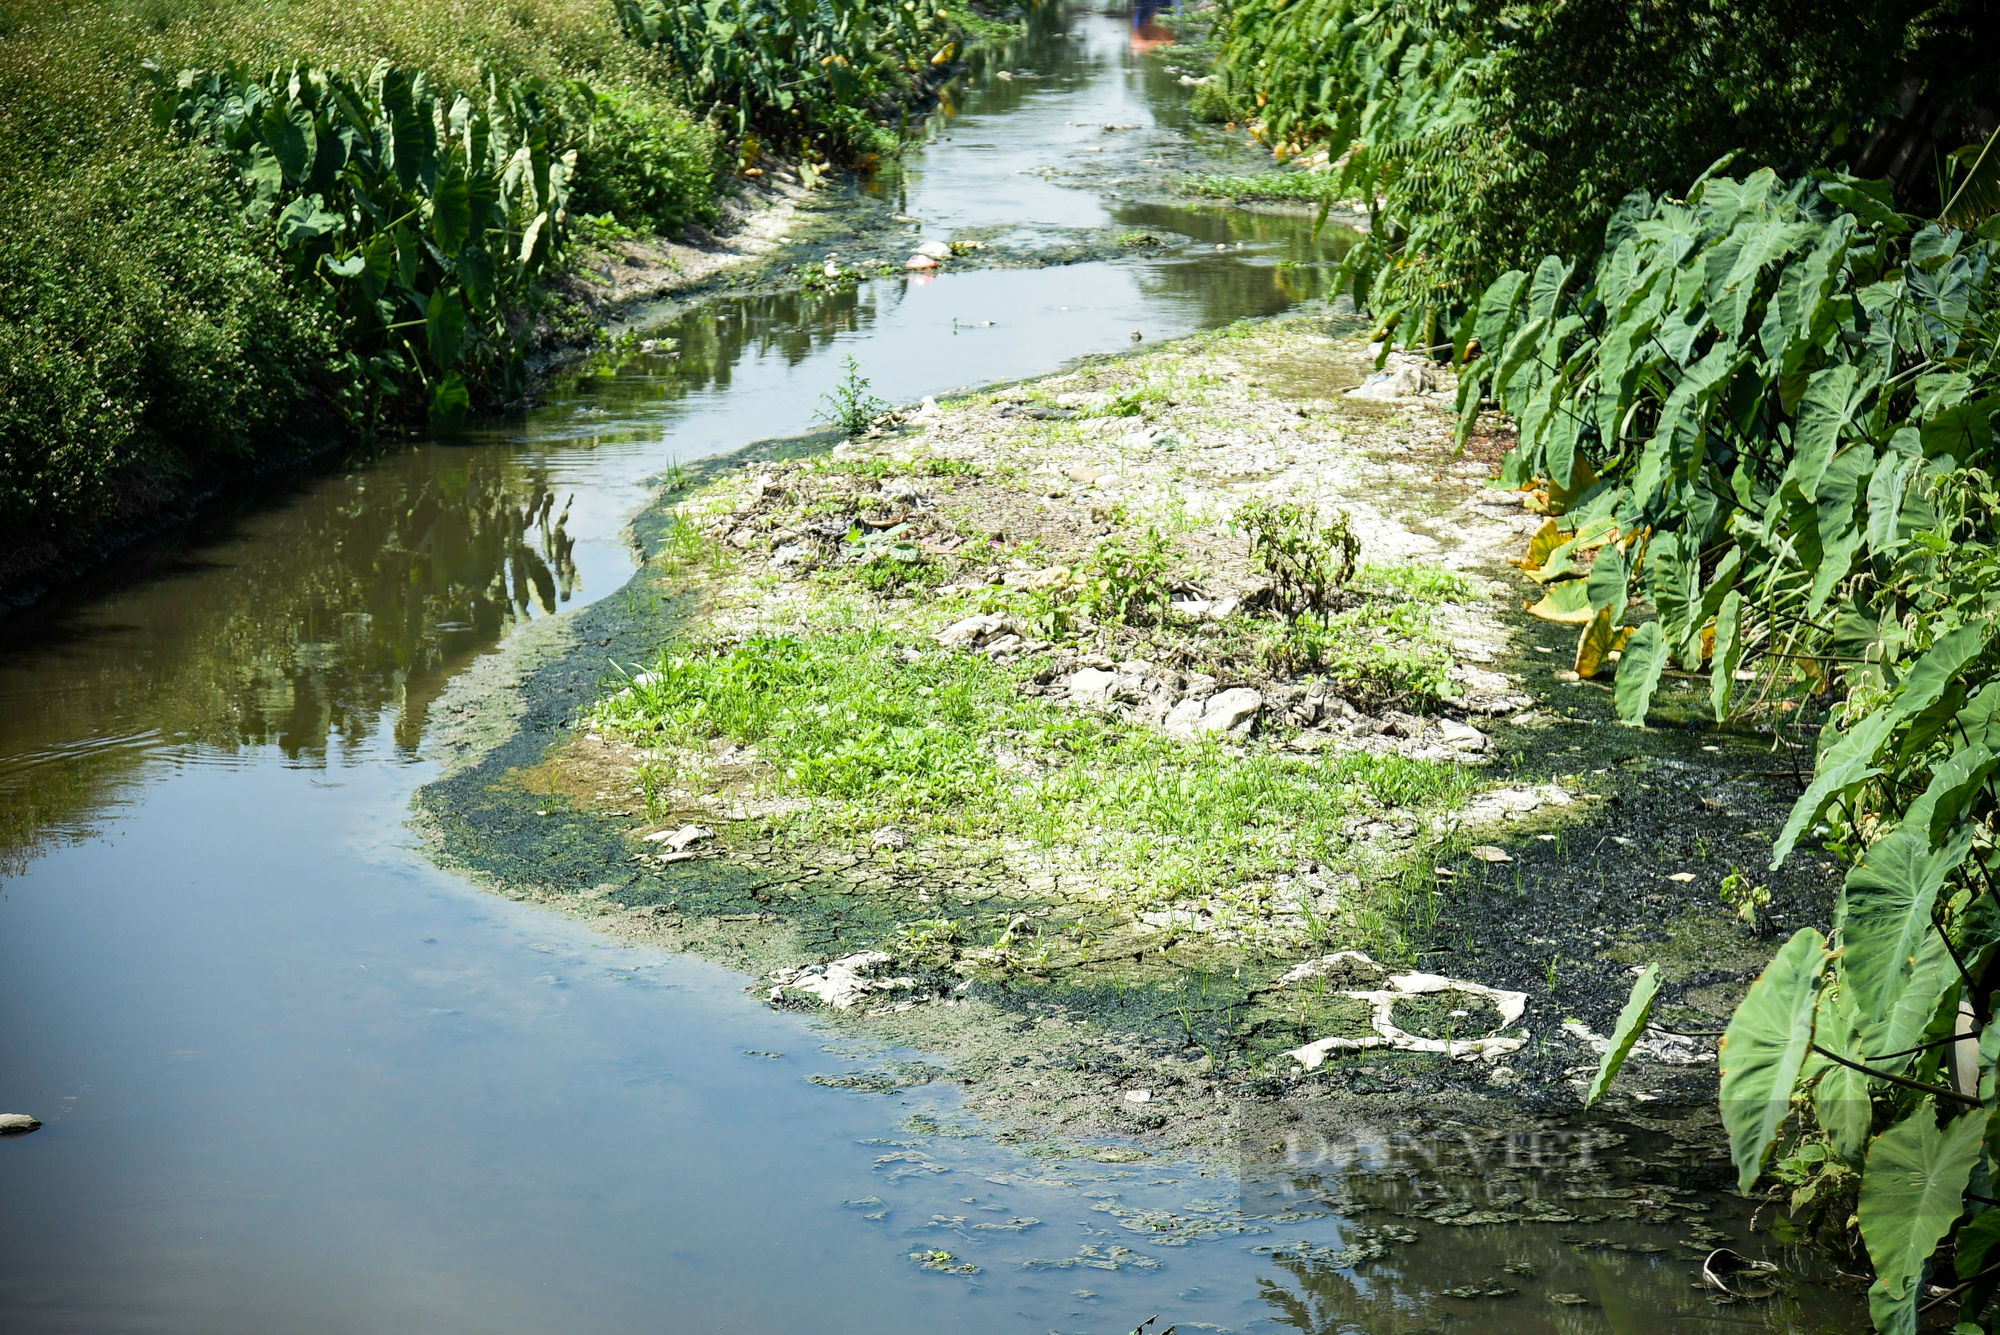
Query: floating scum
{"points": [[1769, 413]]}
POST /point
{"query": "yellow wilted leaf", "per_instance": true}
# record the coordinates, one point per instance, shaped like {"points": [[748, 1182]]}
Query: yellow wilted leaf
{"points": [[1593, 647], [1584, 539], [1547, 538], [1567, 603], [1597, 533], [1601, 643], [1582, 478], [1537, 503]]}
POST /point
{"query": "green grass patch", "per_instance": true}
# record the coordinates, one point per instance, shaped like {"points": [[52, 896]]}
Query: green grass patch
{"points": [[873, 731]]}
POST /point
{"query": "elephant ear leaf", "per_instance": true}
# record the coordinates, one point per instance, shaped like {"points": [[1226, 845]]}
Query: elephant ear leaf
{"points": [[444, 322], [450, 402], [1640, 664], [1886, 908], [1632, 1022], [1841, 1099], [1975, 1242], [1913, 1192], [1768, 1039], [1976, 196], [451, 213], [1842, 765], [1938, 668]]}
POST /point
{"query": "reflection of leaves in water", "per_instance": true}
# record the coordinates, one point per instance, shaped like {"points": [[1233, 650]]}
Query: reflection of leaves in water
{"points": [[299, 620], [295, 626], [1328, 1297]]}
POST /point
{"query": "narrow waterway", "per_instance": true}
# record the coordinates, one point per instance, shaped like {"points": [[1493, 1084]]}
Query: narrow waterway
{"points": [[296, 1078]]}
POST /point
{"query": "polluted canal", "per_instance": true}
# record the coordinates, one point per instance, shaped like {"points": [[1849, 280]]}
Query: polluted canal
{"points": [[295, 1076]]}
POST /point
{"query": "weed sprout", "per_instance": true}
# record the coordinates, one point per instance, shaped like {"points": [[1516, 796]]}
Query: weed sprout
{"points": [[851, 405]]}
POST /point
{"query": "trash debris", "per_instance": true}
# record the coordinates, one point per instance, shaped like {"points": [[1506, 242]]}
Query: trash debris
{"points": [[678, 840], [1138, 1096], [1353, 967], [1504, 804], [840, 983], [1659, 1044], [1731, 1272], [920, 262], [1682, 876], [1489, 853], [1405, 376], [937, 250], [1511, 1005], [972, 630]]}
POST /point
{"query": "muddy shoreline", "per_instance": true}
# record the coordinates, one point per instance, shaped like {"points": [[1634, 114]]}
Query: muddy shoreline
{"points": [[1622, 873]]}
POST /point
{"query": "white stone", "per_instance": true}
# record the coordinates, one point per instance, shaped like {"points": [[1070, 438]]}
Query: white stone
{"points": [[1230, 709], [1462, 736], [1182, 718], [971, 630], [1092, 686]]}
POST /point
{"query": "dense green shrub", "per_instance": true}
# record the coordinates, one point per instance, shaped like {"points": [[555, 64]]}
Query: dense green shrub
{"points": [[145, 330], [153, 331], [1481, 135], [646, 164], [428, 218]]}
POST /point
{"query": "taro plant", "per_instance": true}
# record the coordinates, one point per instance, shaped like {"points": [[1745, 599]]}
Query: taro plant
{"points": [[1782, 397], [1479, 135], [426, 217]]}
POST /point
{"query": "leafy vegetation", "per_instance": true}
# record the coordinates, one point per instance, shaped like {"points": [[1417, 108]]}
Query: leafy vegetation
{"points": [[1775, 402], [427, 222], [852, 405], [1311, 186], [797, 71], [1309, 560], [1482, 135]]}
